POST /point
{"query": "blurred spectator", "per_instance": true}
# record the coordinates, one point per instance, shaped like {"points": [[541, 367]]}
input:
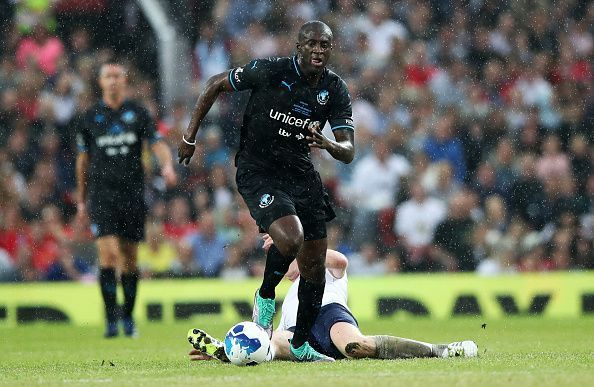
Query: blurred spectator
{"points": [[375, 184], [415, 224], [452, 249], [207, 248], [156, 255], [179, 224], [367, 262], [68, 267], [40, 51], [444, 145]]}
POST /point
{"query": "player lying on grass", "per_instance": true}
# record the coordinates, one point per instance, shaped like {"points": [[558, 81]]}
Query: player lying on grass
{"points": [[335, 332]]}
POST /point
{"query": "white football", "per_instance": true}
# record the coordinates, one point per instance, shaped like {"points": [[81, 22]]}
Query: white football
{"points": [[247, 344]]}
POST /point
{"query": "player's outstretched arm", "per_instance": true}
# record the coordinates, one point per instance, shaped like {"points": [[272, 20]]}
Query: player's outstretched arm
{"points": [[214, 86], [343, 149]]}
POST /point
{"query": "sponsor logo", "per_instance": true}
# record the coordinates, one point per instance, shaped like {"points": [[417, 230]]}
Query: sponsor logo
{"points": [[126, 138], [300, 136], [323, 97], [288, 85], [284, 133], [287, 118], [266, 200], [129, 117]]}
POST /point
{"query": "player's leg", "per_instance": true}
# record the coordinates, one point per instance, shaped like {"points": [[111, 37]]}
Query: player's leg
{"points": [[274, 212], [353, 344], [109, 256], [287, 234], [311, 290], [129, 279], [281, 345]]}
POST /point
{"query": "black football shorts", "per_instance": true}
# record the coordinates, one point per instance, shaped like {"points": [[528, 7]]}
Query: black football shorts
{"points": [[269, 198], [122, 218]]}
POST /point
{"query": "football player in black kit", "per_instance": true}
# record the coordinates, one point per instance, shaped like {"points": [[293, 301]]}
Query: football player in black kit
{"points": [[291, 100], [109, 168]]}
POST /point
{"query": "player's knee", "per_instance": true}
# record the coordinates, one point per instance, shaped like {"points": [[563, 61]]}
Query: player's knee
{"points": [[360, 349], [292, 244]]}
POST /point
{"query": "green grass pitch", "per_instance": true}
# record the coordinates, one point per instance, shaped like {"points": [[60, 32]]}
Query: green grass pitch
{"points": [[516, 351]]}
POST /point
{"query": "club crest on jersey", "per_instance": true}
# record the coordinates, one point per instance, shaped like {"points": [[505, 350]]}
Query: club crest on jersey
{"points": [[266, 200], [116, 129], [129, 117], [323, 97], [99, 118]]}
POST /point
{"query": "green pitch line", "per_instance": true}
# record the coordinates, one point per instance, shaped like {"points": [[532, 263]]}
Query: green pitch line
{"points": [[519, 351]]}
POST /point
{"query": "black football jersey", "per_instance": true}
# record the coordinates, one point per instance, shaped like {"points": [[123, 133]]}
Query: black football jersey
{"points": [[113, 139], [281, 107]]}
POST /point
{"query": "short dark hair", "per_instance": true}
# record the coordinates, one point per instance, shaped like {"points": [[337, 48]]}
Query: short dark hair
{"points": [[112, 62], [313, 24]]}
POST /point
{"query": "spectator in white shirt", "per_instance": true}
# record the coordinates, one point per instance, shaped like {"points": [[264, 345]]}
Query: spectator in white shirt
{"points": [[374, 186], [416, 220]]}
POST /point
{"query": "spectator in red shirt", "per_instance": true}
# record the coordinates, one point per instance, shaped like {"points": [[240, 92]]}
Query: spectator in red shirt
{"points": [[179, 224]]}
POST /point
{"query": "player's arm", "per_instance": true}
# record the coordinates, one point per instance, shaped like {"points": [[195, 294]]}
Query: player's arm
{"points": [[336, 263], [214, 86], [82, 167], [163, 155], [250, 76], [83, 159], [342, 148]]}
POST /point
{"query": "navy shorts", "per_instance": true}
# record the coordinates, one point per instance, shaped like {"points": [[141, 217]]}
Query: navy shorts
{"points": [[319, 337], [270, 198]]}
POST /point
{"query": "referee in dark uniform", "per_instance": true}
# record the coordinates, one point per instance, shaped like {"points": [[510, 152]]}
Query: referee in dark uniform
{"points": [[110, 175], [291, 99]]}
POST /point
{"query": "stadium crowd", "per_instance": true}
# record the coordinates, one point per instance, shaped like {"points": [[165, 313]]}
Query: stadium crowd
{"points": [[474, 133]]}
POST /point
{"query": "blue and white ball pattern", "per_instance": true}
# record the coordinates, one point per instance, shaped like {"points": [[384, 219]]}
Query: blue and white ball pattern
{"points": [[247, 344]]}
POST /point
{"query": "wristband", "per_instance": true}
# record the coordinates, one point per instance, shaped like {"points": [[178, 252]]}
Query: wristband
{"points": [[187, 142]]}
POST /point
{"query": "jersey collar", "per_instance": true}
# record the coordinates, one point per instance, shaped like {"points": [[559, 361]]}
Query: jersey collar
{"points": [[299, 73], [296, 65]]}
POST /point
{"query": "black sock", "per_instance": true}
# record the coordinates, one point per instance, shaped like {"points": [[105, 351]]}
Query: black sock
{"points": [[107, 281], [130, 285], [277, 266], [310, 300]]}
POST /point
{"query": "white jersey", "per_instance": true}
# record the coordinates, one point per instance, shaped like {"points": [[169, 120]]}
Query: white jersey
{"points": [[335, 291]]}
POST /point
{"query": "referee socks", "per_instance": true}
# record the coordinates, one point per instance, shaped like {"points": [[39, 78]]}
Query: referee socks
{"points": [[130, 285]]}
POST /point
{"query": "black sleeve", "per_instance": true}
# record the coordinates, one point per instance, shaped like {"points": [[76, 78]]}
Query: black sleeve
{"points": [[251, 76], [149, 128], [83, 135], [341, 113]]}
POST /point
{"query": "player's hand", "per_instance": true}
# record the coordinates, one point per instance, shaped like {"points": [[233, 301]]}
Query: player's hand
{"points": [[317, 138], [185, 152], [293, 272], [267, 242], [81, 212], [196, 355], [169, 175]]}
